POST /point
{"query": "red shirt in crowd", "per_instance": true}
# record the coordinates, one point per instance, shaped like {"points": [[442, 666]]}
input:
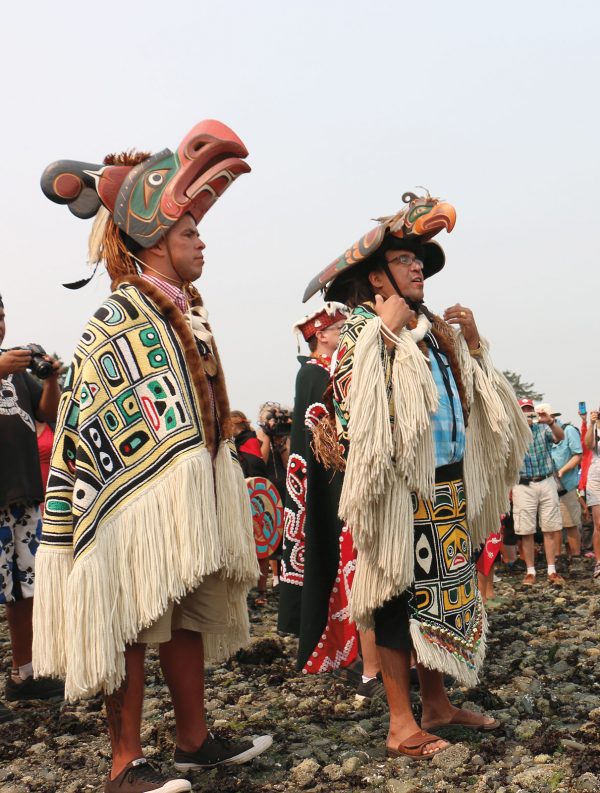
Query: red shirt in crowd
{"points": [[45, 440]]}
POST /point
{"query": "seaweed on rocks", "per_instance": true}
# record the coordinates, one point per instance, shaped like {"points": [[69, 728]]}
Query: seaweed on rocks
{"points": [[541, 680]]}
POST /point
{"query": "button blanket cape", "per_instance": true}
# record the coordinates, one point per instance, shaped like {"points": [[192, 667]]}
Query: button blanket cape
{"points": [[143, 499]]}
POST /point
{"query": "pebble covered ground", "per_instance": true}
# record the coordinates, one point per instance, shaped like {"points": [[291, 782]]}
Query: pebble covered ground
{"points": [[541, 680]]}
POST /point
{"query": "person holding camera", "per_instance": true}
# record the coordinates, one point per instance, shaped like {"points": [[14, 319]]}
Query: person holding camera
{"points": [[592, 493], [274, 428], [536, 495], [22, 401], [566, 456]]}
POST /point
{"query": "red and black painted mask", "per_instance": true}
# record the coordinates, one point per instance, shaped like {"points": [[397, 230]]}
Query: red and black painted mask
{"points": [[145, 200]]}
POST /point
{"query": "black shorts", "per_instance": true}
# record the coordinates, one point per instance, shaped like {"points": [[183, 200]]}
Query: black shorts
{"points": [[392, 619], [391, 624]]}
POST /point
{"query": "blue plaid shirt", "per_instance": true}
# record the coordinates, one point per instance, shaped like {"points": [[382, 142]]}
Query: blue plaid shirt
{"points": [[538, 460], [447, 422]]}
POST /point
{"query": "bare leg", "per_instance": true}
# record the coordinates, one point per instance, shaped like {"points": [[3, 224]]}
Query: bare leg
{"points": [[596, 535], [509, 553], [437, 708], [264, 574], [574, 540], [550, 546], [527, 550], [182, 662], [19, 618], [371, 665], [124, 711], [395, 666], [486, 585], [558, 543]]}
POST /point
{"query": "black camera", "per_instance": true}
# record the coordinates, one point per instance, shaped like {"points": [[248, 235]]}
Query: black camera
{"points": [[283, 424], [277, 423], [39, 366]]}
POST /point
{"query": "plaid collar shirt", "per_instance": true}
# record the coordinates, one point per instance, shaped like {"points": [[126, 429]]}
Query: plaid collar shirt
{"points": [[173, 292], [538, 460], [447, 422]]}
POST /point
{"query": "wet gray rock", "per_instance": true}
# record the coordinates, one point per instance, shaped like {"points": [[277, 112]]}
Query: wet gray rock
{"points": [[398, 786], [317, 726], [304, 773], [527, 729], [352, 764], [454, 756], [333, 772], [587, 782], [539, 779]]}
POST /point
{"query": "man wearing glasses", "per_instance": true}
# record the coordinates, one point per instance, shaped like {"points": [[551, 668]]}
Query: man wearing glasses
{"points": [[432, 439]]}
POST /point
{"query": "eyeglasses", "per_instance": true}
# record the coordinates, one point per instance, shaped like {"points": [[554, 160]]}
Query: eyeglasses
{"points": [[339, 326], [406, 261]]}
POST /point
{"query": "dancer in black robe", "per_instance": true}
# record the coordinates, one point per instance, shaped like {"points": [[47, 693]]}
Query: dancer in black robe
{"points": [[312, 527]]}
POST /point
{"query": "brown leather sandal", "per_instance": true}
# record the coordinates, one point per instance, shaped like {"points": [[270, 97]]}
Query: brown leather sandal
{"points": [[414, 746], [456, 721]]}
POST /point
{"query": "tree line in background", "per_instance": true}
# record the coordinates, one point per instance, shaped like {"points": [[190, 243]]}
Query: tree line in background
{"points": [[522, 389]]}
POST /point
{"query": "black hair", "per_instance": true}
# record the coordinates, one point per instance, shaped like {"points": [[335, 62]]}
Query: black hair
{"points": [[132, 246], [353, 287], [1, 302]]}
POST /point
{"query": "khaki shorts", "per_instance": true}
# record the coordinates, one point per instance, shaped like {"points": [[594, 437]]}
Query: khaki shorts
{"points": [[570, 509], [204, 610], [536, 497]]}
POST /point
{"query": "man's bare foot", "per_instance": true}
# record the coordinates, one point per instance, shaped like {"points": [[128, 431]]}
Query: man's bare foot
{"points": [[457, 717]]}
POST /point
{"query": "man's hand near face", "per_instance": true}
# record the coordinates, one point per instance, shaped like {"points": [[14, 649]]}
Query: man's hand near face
{"points": [[463, 317], [394, 312]]}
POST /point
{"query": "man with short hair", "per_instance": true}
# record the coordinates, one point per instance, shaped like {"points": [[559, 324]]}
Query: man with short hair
{"points": [[22, 401], [536, 496], [566, 457], [148, 537]]}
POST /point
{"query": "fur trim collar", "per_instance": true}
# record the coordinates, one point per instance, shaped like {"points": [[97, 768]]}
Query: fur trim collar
{"points": [[170, 311]]}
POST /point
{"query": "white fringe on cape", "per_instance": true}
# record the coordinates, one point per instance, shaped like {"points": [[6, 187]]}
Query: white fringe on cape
{"points": [[391, 453], [158, 546], [434, 657]]}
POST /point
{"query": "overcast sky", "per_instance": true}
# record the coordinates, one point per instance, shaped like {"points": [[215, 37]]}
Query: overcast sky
{"points": [[343, 106]]}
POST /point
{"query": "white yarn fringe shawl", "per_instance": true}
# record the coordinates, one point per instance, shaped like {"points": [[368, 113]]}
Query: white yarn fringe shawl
{"points": [[190, 523], [391, 454]]}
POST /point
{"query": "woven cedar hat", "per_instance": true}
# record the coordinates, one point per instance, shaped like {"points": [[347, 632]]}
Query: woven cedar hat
{"points": [[414, 225]]}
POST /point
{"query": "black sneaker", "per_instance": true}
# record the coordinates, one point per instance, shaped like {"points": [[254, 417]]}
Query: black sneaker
{"points": [[221, 751], [5, 714], [141, 777], [32, 688], [350, 674], [369, 691]]}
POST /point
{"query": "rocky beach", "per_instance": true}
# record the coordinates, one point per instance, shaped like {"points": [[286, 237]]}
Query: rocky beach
{"points": [[541, 680]]}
